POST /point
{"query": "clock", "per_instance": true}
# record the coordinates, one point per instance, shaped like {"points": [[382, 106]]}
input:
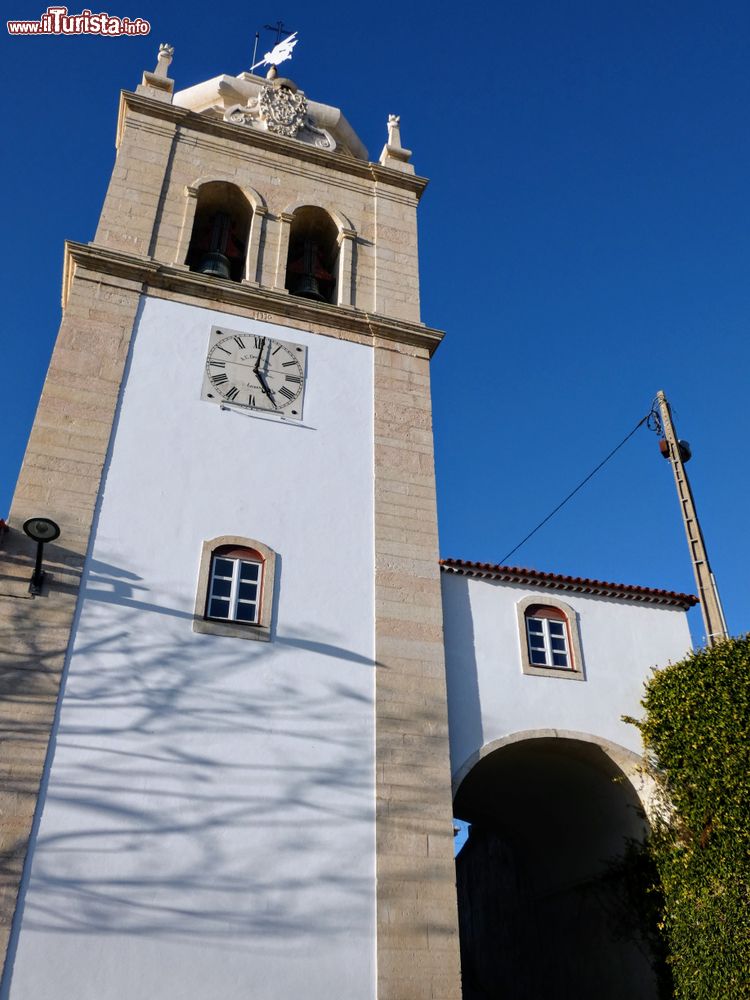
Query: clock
{"points": [[255, 372]]}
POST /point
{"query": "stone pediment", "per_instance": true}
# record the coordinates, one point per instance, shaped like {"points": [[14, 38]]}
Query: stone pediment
{"points": [[274, 106]]}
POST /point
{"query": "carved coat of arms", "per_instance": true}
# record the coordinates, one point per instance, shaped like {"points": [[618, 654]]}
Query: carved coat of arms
{"points": [[283, 111]]}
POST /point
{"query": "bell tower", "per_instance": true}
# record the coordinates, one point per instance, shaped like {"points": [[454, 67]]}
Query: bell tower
{"points": [[225, 712]]}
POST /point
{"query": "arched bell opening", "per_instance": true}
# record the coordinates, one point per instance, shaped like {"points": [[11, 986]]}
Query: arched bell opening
{"points": [[313, 253], [218, 243], [547, 902]]}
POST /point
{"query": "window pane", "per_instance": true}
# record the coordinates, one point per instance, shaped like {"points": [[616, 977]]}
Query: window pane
{"points": [[536, 641], [537, 656], [218, 608], [221, 588], [557, 628], [535, 625], [560, 659], [249, 571], [246, 612], [559, 645], [223, 567], [248, 591]]}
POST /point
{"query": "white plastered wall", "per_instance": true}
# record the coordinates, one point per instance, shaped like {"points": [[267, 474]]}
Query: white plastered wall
{"points": [[208, 825], [490, 699]]}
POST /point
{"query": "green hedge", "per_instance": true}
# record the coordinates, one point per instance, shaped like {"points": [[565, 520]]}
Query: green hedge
{"points": [[696, 731]]}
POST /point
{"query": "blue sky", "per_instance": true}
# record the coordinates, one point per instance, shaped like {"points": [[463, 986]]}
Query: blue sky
{"points": [[585, 241]]}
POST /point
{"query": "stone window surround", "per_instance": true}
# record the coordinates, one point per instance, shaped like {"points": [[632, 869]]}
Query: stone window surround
{"points": [[257, 207], [346, 241], [260, 223], [239, 630], [572, 673]]}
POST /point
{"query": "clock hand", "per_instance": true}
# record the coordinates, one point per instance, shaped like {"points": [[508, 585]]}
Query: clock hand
{"points": [[256, 369], [264, 386], [262, 378]]}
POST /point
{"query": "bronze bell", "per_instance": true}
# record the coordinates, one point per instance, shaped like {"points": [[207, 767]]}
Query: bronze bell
{"points": [[216, 264], [306, 286], [306, 273], [215, 261]]}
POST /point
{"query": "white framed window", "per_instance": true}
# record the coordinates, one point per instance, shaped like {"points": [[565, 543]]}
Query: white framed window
{"points": [[235, 589], [549, 637], [548, 642]]}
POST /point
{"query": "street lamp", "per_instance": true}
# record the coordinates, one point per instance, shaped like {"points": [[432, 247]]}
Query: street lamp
{"points": [[40, 530]]}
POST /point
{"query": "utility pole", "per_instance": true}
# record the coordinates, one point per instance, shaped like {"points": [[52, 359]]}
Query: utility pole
{"points": [[678, 454]]}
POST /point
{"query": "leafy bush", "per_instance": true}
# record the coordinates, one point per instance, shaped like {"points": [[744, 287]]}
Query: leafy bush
{"points": [[696, 731]]}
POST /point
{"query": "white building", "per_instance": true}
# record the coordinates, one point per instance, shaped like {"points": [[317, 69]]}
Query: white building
{"points": [[235, 440]]}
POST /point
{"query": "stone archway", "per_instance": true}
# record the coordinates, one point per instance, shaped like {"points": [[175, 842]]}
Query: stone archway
{"points": [[543, 911]]}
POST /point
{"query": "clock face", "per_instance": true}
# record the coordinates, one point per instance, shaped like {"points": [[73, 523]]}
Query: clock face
{"points": [[255, 372]]}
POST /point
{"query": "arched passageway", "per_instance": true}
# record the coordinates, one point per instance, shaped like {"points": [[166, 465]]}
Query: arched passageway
{"points": [[544, 911]]}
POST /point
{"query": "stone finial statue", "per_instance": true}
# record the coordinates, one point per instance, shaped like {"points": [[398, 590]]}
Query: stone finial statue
{"points": [[166, 54], [394, 131], [394, 155], [158, 84]]}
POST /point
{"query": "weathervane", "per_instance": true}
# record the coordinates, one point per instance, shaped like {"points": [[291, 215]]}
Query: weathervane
{"points": [[278, 54]]}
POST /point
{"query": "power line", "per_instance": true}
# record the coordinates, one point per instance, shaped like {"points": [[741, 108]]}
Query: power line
{"points": [[583, 482]]}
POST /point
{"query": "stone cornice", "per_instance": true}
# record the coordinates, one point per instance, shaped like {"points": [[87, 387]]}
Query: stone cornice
{"points": [[266, 141], [206, 290]]}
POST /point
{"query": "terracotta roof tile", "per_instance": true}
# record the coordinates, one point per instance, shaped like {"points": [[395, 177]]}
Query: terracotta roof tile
{"points": [[557, 581]]}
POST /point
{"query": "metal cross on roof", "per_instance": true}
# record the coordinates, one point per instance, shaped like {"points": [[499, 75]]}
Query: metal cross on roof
{"points": [[279, 28]]}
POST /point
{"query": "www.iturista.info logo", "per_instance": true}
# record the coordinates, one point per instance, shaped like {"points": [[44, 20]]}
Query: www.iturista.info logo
{"points": [[57, 21]]}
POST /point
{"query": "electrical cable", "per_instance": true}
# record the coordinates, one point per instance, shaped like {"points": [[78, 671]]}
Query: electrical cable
{"points": [[583, 482], [654, 418]]}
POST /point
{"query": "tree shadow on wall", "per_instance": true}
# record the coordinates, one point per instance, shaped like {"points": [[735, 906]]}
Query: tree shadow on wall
{"points": [[202, 787]]}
